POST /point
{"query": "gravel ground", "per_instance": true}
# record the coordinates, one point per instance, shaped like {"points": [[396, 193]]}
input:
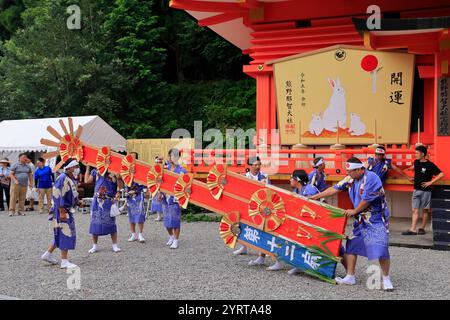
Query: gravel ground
{"points": [[202, 268]]}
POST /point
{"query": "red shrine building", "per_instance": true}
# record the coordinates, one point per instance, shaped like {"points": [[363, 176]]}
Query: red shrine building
{"points": [[337, 76]]}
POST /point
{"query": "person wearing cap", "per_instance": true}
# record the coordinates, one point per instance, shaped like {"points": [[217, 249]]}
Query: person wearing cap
{"points": [[301, 186], [317, 176], [370, 236], [156, 201], [21, 179], [65, 200], [381, 165], [106, 192], [5, 183], [43, 181], [426, 173]]}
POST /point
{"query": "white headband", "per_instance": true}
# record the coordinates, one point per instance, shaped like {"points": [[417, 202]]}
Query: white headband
{"points": [[72, 164], [318, 163], [353, 166], [380, 151]]}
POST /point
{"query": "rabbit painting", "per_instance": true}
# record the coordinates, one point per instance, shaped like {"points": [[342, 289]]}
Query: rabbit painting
{"points": [[357, 127], [336, 112], [316, 124]]}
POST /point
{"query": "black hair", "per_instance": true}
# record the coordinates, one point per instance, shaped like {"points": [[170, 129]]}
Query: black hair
{"points": [[135, 155], [317, 160], [354, 160], [381, 147], [23, 154], [301, 176], [41, 160], [252, 160], [175, 152], [422, 149]]}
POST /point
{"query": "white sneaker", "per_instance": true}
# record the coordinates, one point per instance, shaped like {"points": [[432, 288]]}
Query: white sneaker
{"points": [[174, 244], [141, 238], [348, 280], [47, 256], [116, 248], [241, 250], [276, 266], [169, 243], [93, 250], [68, 265], [293, 271], [257, 262], [158, 218], [132, 238]]}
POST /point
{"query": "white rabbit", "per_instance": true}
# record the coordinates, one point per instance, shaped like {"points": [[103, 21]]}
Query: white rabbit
{"points": [[357, 127], [336, 111], [316, 124]]}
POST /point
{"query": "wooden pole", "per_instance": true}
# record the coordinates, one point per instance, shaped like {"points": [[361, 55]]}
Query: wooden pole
{"points": [[337, 145], [374, 145]]}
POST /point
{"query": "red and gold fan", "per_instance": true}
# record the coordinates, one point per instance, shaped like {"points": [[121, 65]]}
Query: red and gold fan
{"points": [[182, 189], [154, 179], [103, 160], [229, 228], [267, 209], [127, 169], [216, 180], [68, 146]]}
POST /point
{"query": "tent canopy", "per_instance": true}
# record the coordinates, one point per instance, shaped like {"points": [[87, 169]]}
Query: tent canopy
{"points": [[25, 135]]}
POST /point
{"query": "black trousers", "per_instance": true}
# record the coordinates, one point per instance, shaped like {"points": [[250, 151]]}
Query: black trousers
{"points": [[4, 189]]}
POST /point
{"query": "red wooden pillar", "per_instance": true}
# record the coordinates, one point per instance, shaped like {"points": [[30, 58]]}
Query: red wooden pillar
{"points": [[265, 101]]}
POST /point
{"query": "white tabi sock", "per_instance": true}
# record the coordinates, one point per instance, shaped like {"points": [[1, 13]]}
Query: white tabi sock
{"points": [[93, 249], [387, 284], [348, 279], [115, 247]]}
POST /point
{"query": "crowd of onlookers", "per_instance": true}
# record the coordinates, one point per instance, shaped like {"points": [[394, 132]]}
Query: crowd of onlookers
{"points": [[25, 181]]}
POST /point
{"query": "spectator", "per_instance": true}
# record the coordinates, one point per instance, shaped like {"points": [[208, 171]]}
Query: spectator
{"points": [[424, 171], [21, 178], [5, 182], [31, 192], [43, 181]]}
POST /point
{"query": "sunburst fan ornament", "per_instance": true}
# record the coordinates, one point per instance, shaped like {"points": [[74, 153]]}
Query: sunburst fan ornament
{"points": [[216, 180], [127, 169], [68, 146], [154, 179], [103, 160], [182, 189], [229, 228], [267, 209]]}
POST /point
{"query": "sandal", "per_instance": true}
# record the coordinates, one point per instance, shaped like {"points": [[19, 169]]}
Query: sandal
{"points": [[421, 231], [409, 233]]}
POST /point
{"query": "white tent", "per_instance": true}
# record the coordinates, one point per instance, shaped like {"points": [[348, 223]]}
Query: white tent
{"points": [[18, 136]]}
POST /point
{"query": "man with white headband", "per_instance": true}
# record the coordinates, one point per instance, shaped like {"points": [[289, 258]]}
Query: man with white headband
{"points": [[381, 165], [370, 236], [317, 176], [64, 202]]}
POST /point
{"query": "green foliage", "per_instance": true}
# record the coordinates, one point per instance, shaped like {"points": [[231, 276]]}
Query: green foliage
{"points": [[144, 68]]}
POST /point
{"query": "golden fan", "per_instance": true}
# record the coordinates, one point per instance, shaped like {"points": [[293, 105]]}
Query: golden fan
{"points": [[68, 146], [229, 228], [309, 211], [103, 160], [182, 189], [216, 180], [154, 179], [127, 169], [267, 210]]}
